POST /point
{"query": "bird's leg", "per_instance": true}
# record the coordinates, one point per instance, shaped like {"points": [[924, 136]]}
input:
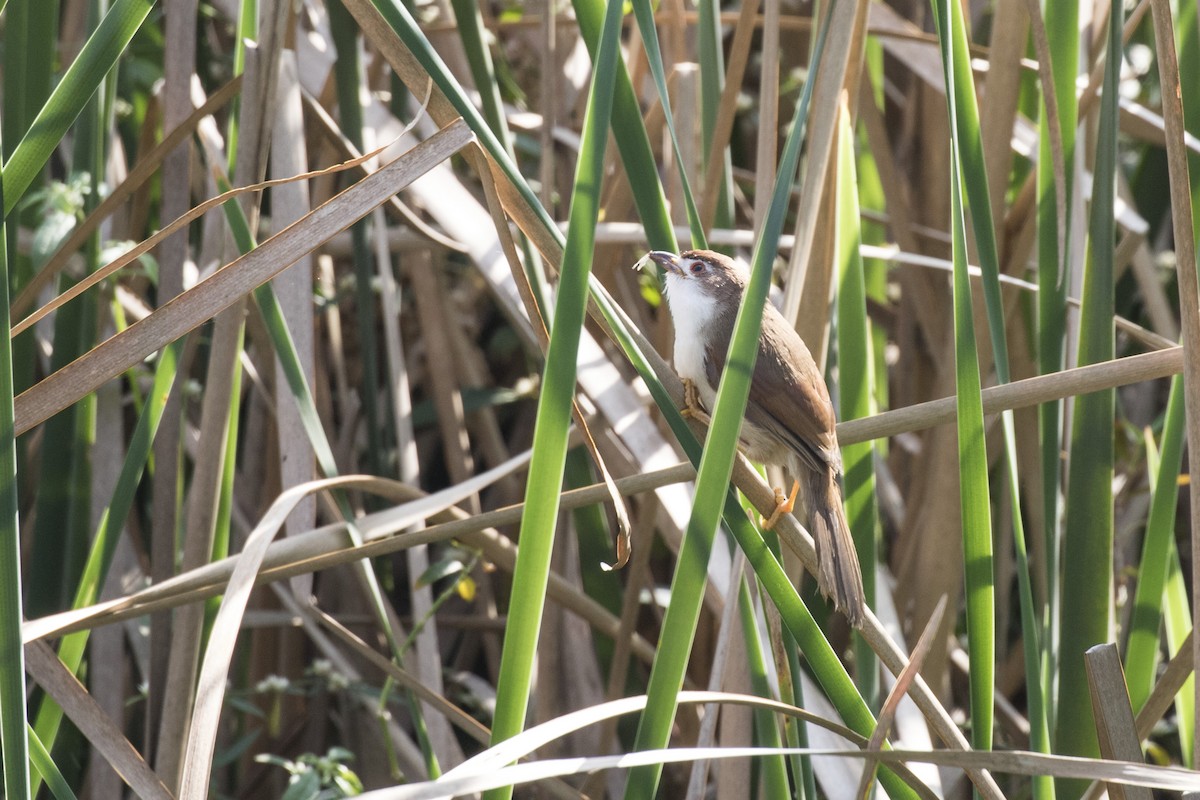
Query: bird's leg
{"points": [[783, 505], [691, 403]]}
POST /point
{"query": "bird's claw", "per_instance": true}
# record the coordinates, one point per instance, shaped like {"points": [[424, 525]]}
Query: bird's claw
{"points": [[784, 503], [691, 403]]}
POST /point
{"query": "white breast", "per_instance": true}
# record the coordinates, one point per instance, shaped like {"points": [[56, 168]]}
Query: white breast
{"points": [[692, 311]]}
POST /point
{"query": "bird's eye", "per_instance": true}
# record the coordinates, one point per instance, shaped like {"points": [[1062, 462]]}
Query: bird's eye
{"points": [[697, 267]]}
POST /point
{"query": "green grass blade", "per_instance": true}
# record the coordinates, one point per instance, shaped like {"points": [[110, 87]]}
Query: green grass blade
{"points": [[629, 132], [30, 27], [1178, 619], [348, 78], [1141, 657], [972, 453], [14, 744], [772, 769], [1088, 537], [649, 31], [974, 169], [969, 146], [62, 515], [797, 730], [47, 770], [98, 56], [712, 78], [411, 35], [542, 497], [1062, 29], [60, 532], [856, 388], [479, 58], [30, 49]]}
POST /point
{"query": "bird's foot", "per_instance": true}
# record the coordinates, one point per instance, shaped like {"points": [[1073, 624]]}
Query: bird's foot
{"points": [[691, 403], [784, 503]]}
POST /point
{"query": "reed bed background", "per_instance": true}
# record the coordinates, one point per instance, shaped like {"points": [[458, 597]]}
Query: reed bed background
{"points": [[332, 397]]}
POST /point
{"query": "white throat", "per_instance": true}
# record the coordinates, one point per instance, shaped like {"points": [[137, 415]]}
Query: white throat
{"points": [[693, 311]]}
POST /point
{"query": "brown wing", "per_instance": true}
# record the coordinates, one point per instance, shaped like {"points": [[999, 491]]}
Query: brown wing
{"points": [[798, 412]]}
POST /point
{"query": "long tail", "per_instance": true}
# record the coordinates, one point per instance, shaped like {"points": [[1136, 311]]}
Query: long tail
{"points": [[840, 575]]}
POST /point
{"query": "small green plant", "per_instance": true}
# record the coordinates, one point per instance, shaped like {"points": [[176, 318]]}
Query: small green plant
{"points": [[315, 777]]}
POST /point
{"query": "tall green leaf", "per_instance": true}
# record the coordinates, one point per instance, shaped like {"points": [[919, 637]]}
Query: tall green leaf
{"points": [[856, 388], [1088, 537], [1145, 624], [13, 719], [348, 77], [649, 31], [629, 133], [1062, 29], [542, 497], [972, 451]]}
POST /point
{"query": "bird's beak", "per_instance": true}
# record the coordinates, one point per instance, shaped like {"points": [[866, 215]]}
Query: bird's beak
{"points": [[668, 261]]}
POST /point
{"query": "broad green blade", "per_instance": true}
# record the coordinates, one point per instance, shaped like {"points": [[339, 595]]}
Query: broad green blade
{"points": [[1087, 613], [1062, 29], [974, 494]]}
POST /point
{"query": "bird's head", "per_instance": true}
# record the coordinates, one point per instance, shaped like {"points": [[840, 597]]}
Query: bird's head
{"points": [[701, 285], [703, 271]]}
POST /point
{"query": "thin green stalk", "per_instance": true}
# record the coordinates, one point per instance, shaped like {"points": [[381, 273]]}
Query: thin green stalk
{"points": [[63, 509], [542, 498], [348, 77], [969, 146], [629, 132], [479, 58], [711, 52], [14, 743], [649, 32], [796, 729], [969, 143]]}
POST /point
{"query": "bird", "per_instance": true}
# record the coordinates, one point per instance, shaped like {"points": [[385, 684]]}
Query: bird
{"points": [[789, 418]]}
